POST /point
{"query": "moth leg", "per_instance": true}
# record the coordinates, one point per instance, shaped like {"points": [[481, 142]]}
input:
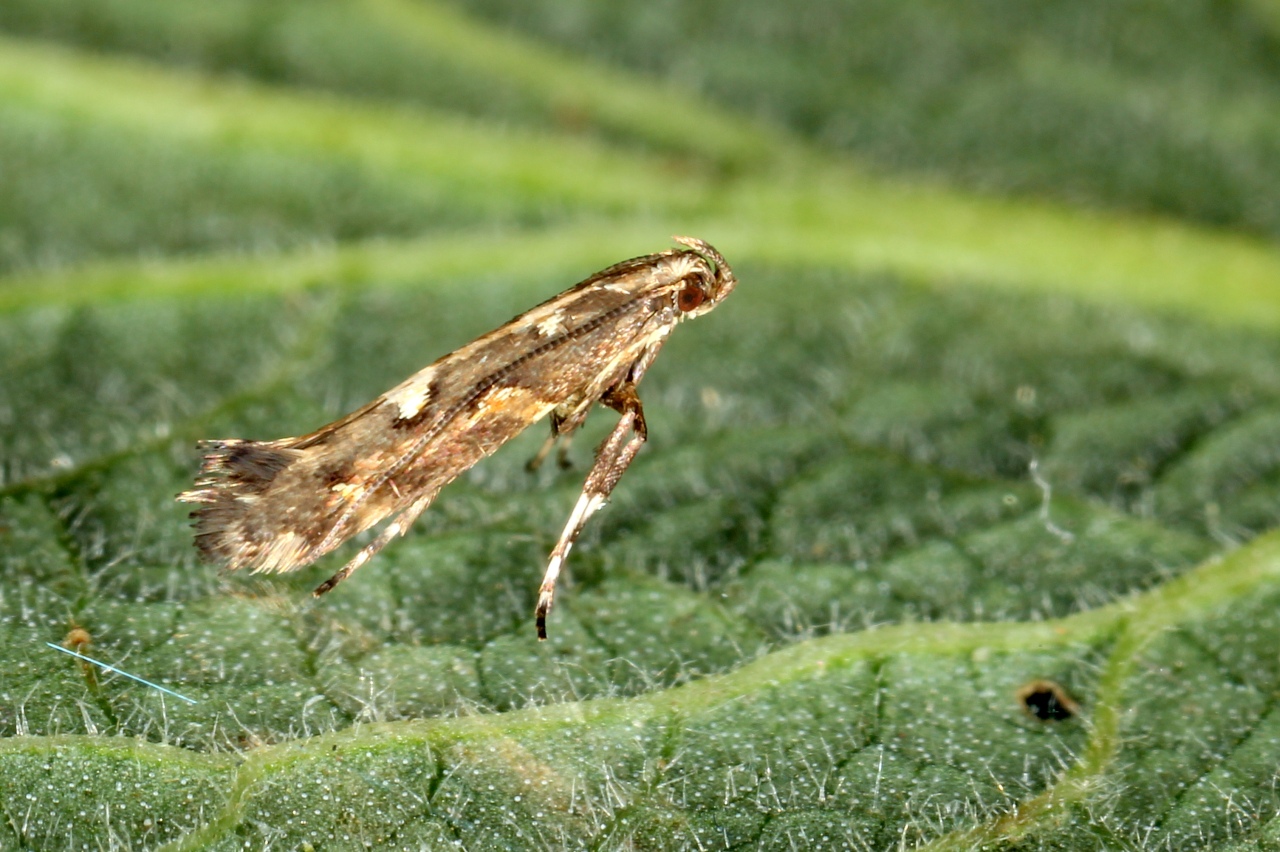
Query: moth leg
{"points": [[397, 527], [612, 460], [562, 429], [545, 450], [562, 455]]}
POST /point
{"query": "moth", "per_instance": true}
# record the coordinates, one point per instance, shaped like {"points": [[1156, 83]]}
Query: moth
{"points": [[275, 506]]}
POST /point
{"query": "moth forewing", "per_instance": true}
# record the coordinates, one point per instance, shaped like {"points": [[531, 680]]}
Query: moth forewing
{"points": [[280, 505]]}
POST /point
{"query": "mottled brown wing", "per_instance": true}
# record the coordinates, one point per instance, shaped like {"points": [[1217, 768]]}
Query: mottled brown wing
{"points": [[279, 505]]}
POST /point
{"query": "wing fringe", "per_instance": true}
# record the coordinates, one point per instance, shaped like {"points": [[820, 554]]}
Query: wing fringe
{"points": [[234, 476]]}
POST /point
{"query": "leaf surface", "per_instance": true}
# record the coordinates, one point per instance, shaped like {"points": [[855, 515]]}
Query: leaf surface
{"points": [[956, 527]]}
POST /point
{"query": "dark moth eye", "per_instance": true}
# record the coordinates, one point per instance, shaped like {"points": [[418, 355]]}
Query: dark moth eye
{"points": [[690, 297]]}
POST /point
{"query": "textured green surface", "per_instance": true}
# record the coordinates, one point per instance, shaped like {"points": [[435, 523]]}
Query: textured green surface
{"points": [[939, 449], [1105, 100]]}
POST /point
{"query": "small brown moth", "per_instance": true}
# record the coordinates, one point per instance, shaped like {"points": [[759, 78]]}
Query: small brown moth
{"points": [[281, 505]]}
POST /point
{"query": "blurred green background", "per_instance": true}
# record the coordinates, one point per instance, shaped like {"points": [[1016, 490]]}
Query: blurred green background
{"points": [[994, 413]]}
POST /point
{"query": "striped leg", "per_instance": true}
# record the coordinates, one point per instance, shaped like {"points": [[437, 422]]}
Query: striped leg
{"points": [[397, 527], [562, 430], [612, 460]]}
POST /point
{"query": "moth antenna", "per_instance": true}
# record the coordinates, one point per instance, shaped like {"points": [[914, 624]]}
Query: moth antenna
{"points": [[703, 248], [724, 275]]}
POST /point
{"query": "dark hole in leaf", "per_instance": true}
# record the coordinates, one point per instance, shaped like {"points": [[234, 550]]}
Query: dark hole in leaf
{"points": [[1047, 701]]}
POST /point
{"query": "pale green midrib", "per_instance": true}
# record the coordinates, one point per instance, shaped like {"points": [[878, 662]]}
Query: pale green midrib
{"points": [[1140, 618], [813, 212], [415, 147], [572, 250], [143, 751], [1158, 265]]}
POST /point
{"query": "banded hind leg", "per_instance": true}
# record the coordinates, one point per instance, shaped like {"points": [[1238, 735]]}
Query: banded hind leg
{"points": [[612, 459]]}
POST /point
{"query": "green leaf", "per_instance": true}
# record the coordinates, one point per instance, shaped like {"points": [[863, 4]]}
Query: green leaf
{"points": [[950, 533], [1169, 109], [808, 477]]}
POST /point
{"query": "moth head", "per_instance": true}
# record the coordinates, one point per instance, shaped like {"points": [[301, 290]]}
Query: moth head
{"points": [[708, 283]]}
